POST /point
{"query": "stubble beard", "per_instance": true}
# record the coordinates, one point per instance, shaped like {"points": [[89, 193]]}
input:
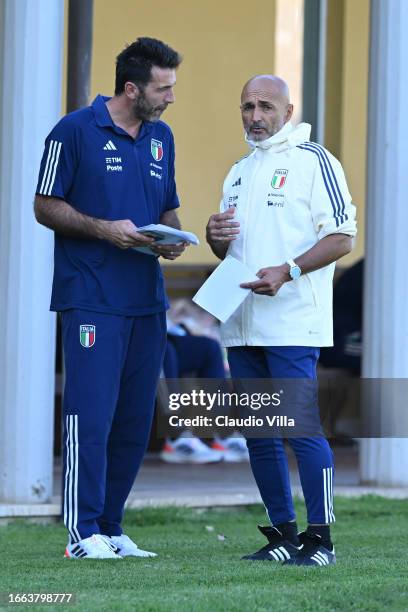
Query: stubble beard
{"points": [[144, 111], [275, 128]]}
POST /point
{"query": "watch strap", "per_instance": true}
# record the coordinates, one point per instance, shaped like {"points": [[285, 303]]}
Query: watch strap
{"points": [[292, 267]]}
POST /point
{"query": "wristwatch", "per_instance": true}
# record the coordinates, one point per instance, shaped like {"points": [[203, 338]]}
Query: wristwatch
{"points": [[294, 270]]}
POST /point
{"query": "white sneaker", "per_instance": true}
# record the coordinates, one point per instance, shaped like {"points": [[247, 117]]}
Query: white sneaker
{"points": [[125, 547], [94, 547], [189, 449], [234, 448]]}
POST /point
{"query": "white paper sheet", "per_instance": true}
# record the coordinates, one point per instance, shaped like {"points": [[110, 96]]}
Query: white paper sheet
{"points": [[221, 294]]}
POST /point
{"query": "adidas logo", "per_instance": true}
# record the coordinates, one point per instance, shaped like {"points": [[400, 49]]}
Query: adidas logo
{"points": [[237, 183], [279, 553], [109, 146], [320, 558]]}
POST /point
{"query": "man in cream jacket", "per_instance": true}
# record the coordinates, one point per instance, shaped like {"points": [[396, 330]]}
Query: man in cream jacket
{"points": [[287, 214]]}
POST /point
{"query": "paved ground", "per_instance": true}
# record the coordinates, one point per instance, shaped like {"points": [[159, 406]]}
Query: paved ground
{"points": [[222, 484], [217, 484]]}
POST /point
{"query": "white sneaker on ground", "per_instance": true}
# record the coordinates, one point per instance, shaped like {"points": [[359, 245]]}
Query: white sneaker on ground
{"points": [[125, 547], [234, 448], [189, 449], [94, 547]]}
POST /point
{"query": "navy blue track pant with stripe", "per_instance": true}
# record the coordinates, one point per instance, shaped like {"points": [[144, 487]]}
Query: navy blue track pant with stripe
{"points": [[268, 456], [108, 408]]}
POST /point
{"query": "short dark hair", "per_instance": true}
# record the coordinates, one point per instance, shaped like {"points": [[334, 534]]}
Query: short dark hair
{"points": [[135, 62]]}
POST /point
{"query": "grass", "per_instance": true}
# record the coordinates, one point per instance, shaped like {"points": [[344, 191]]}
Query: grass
{"points": [[195, 570]]}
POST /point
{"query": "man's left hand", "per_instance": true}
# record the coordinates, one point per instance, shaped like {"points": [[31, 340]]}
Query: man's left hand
{"points": [[169, 251], [271, 280]]}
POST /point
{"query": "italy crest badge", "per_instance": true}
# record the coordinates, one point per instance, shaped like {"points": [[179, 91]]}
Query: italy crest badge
{"points": [[87, 335], [156, 148], [279, 178]]}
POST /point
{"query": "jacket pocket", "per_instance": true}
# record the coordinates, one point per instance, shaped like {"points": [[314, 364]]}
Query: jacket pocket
{"points": [[313, 291], [300, 291]]}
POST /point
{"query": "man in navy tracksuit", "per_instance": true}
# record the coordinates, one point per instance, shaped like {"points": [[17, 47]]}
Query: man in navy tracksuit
{"points": [[106, 170], [287, 214]]}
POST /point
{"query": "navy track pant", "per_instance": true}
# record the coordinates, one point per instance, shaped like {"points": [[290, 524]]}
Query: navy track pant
{"points": [[112, 369], [196, 355], [268, 456]]}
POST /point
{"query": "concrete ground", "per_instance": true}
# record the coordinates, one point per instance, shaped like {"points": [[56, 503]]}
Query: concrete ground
{"points": [[218, 484], [221, 484]]}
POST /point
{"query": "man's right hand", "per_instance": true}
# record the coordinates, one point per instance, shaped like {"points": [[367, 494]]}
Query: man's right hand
{"points": [[124, 234], [221, 231], [222, 228]]}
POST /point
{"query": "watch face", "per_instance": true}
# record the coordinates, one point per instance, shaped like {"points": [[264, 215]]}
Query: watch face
{"points": [[295, 272]]}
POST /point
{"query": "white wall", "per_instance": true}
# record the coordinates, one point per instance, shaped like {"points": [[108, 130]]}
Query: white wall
{"points": [[31, 60]]}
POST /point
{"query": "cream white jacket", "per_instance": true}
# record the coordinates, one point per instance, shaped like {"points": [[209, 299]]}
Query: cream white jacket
{"points": [[289, 193]]}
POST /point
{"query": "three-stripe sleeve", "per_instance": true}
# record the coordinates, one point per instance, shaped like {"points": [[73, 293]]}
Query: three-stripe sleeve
{"points": [[331, 206], [52, 152], [58, 164]]}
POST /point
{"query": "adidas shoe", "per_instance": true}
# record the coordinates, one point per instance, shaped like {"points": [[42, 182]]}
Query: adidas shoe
{"points": [[313, 552], [94, 547], [189, 449], [277, 549], [125, 547], [233, 449]]}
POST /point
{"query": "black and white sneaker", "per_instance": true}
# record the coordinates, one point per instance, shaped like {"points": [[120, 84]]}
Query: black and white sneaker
{"points": [[94, 547], [312, 553], [277, 549]]}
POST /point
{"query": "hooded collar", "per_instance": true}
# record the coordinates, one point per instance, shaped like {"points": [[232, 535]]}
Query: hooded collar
{"points": [[287, 137]]}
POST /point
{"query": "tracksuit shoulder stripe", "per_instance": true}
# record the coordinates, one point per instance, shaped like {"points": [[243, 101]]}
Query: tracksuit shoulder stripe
{"points": [[326, 178], [344, 216], [337, 190], [329, 179], [48, 179], [54, 169], [47, 165], [321, 153]]}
